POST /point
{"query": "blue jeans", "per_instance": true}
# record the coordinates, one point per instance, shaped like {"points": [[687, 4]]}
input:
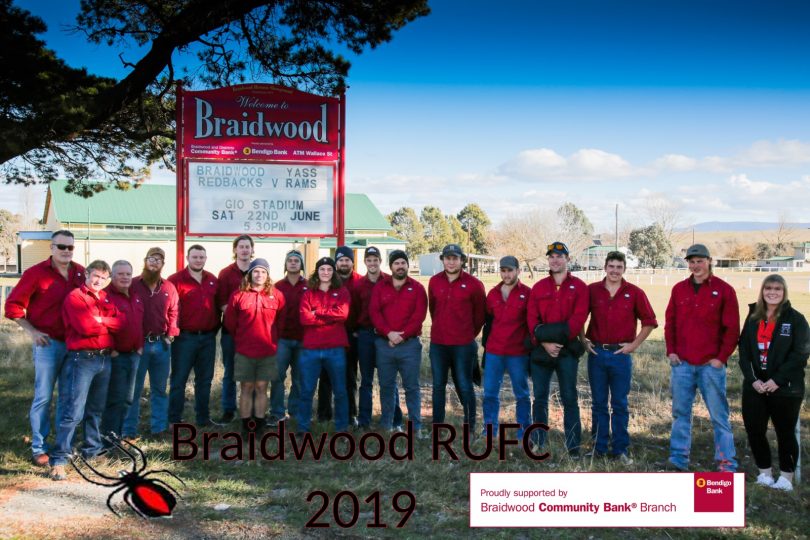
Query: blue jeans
{"points": [[367, 355], [518, 368], [197, 351], [48, 364], [566, 370], [610, 373], [82, 397], [287, 356], [333, 361], [405, 358], [155, 360], [459, 359], [228, 384], [686, 380], [124, 370]]}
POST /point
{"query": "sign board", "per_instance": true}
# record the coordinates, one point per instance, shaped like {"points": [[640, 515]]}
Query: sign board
{"points": [[290, 199], [259, 159]]}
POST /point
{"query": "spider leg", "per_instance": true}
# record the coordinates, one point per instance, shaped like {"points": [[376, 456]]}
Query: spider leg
{"points": [[143, 456], [117, 443], [127, 499], [109, 500], [116, 481], [164, 471]]}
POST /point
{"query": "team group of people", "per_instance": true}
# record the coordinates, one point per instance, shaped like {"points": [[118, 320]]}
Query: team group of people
{"points": [[98, 341]]}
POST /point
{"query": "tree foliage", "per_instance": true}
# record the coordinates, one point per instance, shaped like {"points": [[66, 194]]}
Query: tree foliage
{"points": [[9, 225], [60, 120], [476, 222], [651, 245], [407, 227], [525, 236], [574, 228], [438, 232]]}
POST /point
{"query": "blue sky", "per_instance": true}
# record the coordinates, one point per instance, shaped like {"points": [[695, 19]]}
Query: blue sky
{"points": [[521, 106]]}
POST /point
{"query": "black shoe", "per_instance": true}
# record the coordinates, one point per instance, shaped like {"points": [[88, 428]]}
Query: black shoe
{"points": [[226, 418], [595, 454], [272, 420], [668, 466], [210, 424]]}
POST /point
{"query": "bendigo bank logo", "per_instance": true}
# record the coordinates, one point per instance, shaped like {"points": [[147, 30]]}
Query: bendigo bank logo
{"points": [[714, 492]]}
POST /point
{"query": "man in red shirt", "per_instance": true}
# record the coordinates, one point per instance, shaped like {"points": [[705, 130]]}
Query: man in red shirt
{"points": [[364, 332], [290, 333], [35, 304], [126, 354], [457, 303], [90, 321], [160, 304], [228, 281], [701, 331], [397, 309], [344, 268], [559, 298], [195, 347], [507, 304], [616, 308]]}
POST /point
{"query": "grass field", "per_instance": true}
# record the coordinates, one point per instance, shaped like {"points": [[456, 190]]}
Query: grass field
{"points": [[270, 498]]}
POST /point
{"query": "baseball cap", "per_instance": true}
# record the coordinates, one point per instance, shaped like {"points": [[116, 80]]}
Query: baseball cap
{"points": [[452, 249], [697, 250], [557, 247], [373, 251], [509, 262]]}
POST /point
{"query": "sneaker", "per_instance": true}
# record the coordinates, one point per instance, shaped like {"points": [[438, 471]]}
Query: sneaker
{"points": [[669, 466], [57, 473], [210, 424], [765, 479], [625, 460], [595, 454], [272, 420], [40, 460], [783, 484], [227, 417]]}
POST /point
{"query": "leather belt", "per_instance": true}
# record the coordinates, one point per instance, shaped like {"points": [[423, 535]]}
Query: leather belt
{"points": [[607, 346], [95, 352]]}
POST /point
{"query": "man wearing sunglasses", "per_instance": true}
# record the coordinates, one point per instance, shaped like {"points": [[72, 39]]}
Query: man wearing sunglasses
{"points": [[35, 304], [558, 298]]}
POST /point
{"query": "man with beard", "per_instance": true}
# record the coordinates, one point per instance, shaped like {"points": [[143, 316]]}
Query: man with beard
{"points": [[228, 281], [361, 298], [195, 347], [457, 303], [397, 309], [90, 321], [344, 267], [160, 312], [127, 351], [290, 334], [35, 304], [559, 298]]}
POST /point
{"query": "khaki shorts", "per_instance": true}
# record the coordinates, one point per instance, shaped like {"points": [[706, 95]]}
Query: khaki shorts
{"points": [[254, 369]]}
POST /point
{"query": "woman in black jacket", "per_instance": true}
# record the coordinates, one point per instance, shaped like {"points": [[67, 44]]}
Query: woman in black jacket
{"points": [[774, 347]]}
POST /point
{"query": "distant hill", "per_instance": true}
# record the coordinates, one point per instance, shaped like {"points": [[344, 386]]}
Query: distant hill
{"points": [[740, 226]]}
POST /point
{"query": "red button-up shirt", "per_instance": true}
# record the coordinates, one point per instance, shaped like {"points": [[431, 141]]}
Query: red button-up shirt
{"points": [[289, 326], [361, 299], [704, 325], [251, 319], [457, 309], [402, 310], [82, 330], [198, 305], [550, 304], [615, 320], [508, 332], [39, 295], [130, 337], [323, 316], [160, 307], [228, 282], [349, 284]]}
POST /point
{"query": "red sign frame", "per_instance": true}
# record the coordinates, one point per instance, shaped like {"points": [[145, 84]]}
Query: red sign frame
{"points": [[262, 123]]}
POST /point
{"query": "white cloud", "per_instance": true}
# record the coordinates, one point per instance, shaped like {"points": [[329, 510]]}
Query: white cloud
{"points": [[545, 164], [675, 162], [781, 152], [750, 187]]}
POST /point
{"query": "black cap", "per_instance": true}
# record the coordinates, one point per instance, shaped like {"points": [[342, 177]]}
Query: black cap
{"points": [[452, 249], [396, 255], [325, 261], [509, 262], [557, 247], [344, 251], [371, 250], [697, 250]]}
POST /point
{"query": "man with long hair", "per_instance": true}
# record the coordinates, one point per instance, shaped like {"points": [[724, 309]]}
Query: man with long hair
{"points": [[251, 318]]}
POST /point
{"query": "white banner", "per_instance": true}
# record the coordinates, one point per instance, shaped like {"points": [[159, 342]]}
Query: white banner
{"points": [[607, 500], [261, 198]]}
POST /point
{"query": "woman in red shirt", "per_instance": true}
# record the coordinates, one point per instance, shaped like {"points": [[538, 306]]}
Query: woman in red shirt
{"points": [[324, 310], [774, 347], [251, 319]]}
